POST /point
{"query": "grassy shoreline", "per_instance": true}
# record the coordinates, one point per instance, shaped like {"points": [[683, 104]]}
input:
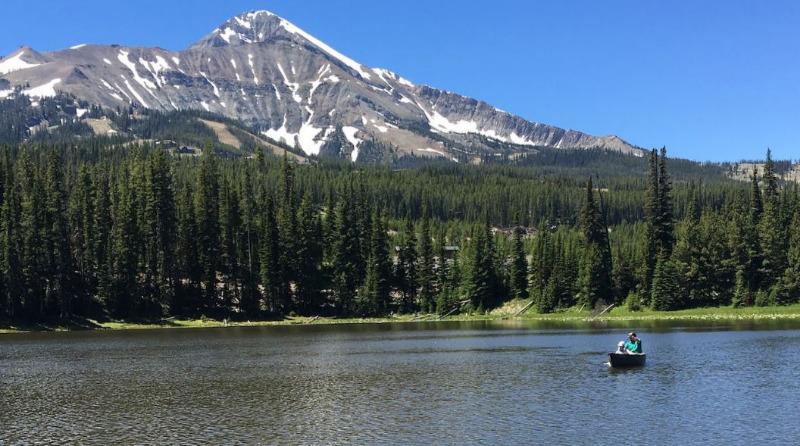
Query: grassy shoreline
{"points": [[507, 312]]}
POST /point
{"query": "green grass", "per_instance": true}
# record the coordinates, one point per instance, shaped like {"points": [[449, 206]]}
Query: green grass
{"points": [[707, 313], [506, 312]]}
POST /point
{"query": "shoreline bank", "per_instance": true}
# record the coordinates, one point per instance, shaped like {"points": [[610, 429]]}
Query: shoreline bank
{"points": [[713, 314]]}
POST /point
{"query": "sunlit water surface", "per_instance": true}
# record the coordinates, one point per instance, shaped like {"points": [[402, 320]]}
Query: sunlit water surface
{"points": [[440, 383]]}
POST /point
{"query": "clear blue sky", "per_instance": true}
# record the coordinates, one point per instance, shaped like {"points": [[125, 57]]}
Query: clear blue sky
{"points": [[711, 80]]}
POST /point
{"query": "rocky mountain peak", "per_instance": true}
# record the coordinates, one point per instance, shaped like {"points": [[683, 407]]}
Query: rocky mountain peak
{"points": [[248, 28], [269, 73]]}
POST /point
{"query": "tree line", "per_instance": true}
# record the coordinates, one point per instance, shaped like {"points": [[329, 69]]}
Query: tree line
{"points": [[137, 232]]}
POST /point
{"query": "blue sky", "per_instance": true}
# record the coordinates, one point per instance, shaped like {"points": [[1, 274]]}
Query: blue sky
{"points": [[711, 80]]}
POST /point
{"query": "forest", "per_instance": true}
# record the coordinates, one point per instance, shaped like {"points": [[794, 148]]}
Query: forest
{"points": [[136, 232]]}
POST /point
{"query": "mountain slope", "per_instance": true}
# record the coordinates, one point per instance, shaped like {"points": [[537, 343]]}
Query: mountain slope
{"points": [[267, 72]]}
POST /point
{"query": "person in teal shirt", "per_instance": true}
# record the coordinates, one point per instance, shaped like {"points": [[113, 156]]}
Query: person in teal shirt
{"points": [[633, 344]]}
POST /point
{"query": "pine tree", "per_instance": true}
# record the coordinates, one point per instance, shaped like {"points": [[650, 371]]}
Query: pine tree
{"points": [[250, 300], [309, 251], [188, 265], [33, 249], [622, 277], [206, 204], [543, 260], [230, 230], [270, 256], [519, 265], [160, 231], [405, 268], [741, 293], [665, 220], [771, 229], [549, 297], [59, 288], [596, 266], [481, 285], [287, 227], [690, 259], [756, 204], [81, 213], [790, 282], [123, 287], [666, 285], [374, 295], [101, 235], [11, 241], [425, 265], [652, 212], [346, 254]]}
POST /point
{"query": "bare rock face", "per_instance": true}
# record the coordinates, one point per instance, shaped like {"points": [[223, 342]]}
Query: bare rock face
{"points": [[267, 72]]}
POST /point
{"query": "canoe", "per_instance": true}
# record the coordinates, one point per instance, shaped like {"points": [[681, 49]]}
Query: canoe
{"points": [[626, 359]]}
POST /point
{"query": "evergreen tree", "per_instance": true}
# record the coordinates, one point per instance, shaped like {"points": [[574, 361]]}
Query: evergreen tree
{"points": [[249, 249], [666, 285], [11, 241], [771, 229], [405, 268], [596, 268], [665, 219], [123, 287], [741, 293], [346, 254], [789, 291], [309, 251], [230, 230], [270, 256], [519, 265], [206, 206], [81, 213], [622, 277], [34, 250], [101, 236], [374, 294], [287, 227], [481, 285], [160, 232], [652, 212], [425, 266], [543, 260], [59, 273], [188, 264]]}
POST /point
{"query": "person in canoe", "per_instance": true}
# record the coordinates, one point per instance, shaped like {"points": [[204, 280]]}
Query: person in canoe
{"points": [[633, 344]]}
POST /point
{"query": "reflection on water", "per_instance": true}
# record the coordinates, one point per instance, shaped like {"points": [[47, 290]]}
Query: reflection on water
{"points": [[509, 382]]}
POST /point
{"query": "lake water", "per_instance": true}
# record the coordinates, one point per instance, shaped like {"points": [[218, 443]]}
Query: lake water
{"points": [[439, 383]]}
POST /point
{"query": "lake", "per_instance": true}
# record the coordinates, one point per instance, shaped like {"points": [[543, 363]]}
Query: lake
{"points": [[434, 383]]}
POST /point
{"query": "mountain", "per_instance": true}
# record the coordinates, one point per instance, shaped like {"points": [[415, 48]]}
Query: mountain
{"points": [[293, 88]]}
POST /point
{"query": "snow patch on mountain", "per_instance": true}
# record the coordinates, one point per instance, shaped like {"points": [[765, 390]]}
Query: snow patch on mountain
{"points": [[252, 68], [43, 91], [293, 86], [134, 92], [15, 63], [147, 84], [213, 85], [350, 134], [463, 126], [290, 27], [281, 134], [227, 34]]}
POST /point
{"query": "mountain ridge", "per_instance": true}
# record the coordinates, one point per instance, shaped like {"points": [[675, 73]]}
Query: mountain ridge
{"points": [[269, 73]]}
